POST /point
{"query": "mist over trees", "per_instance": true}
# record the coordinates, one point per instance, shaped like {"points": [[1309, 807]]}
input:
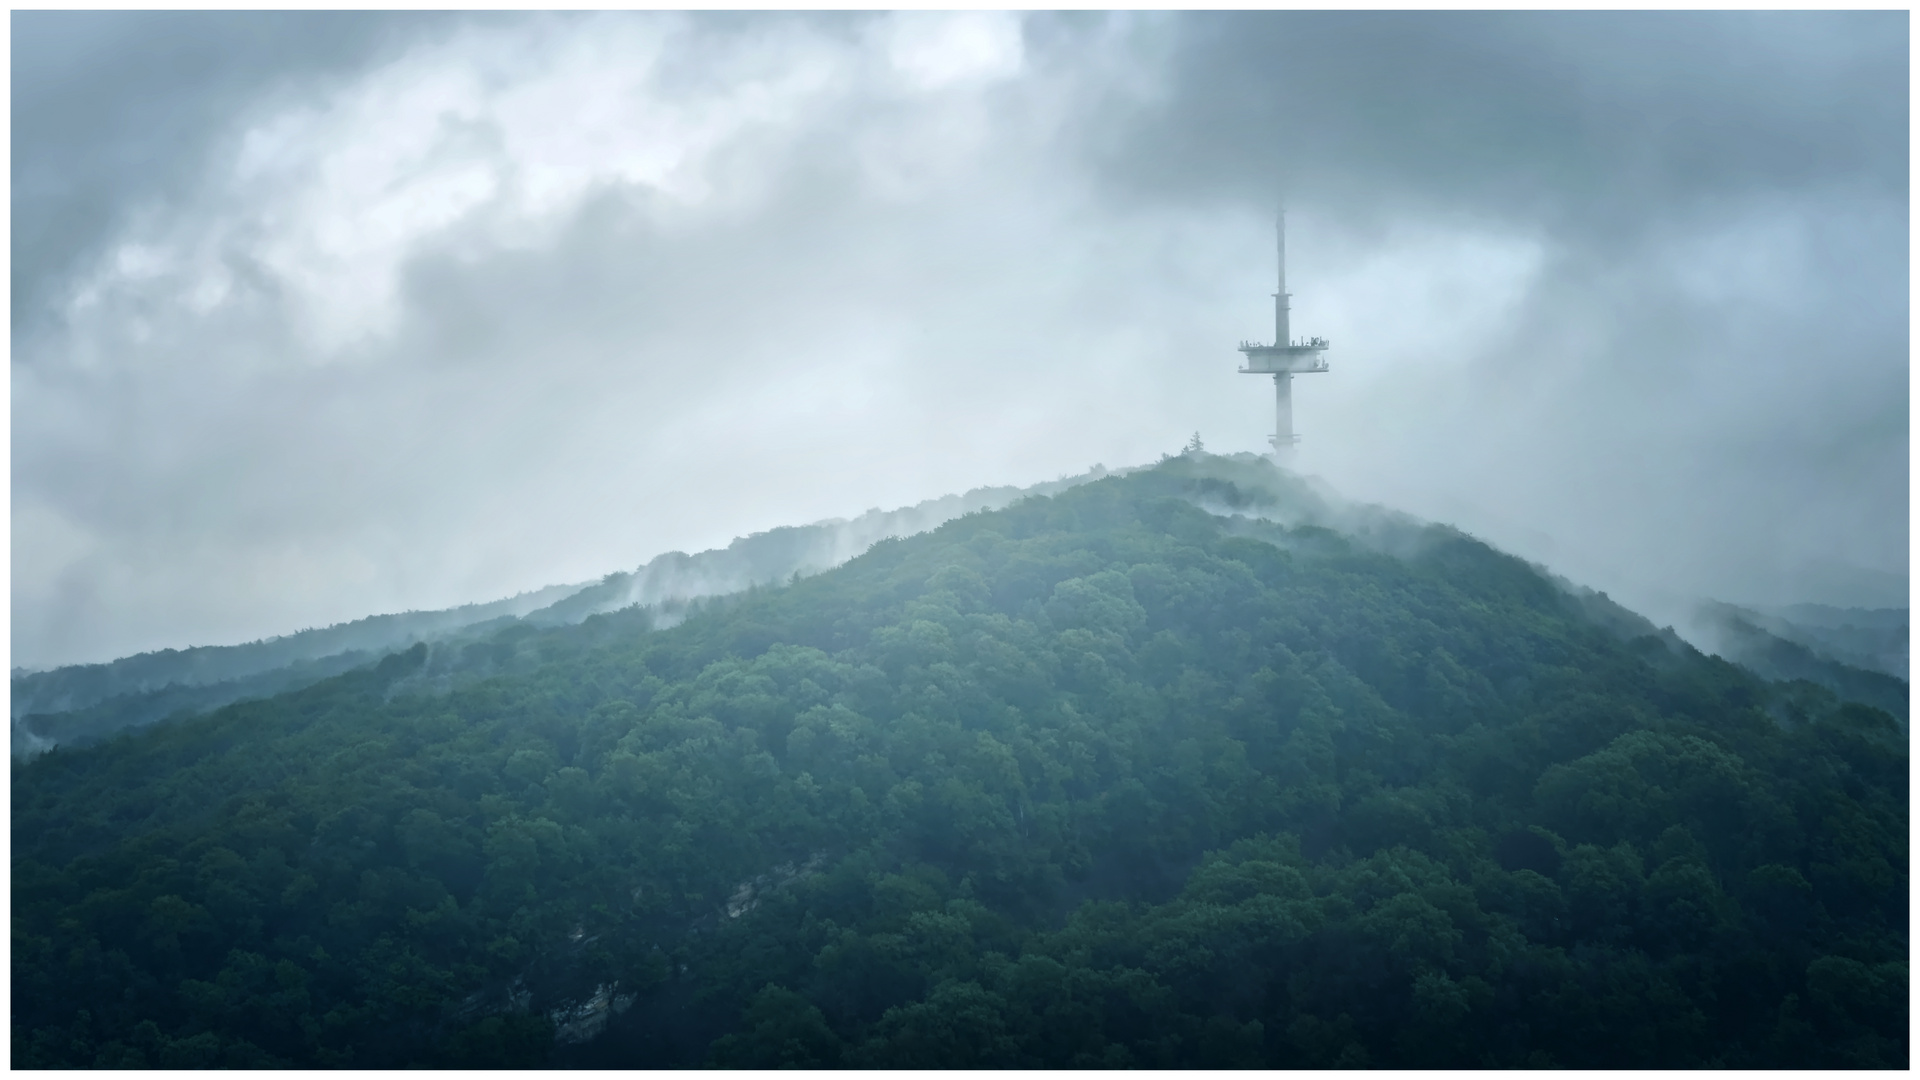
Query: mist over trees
{"points": [[1169, 769], [79, 703], [100, 698]]}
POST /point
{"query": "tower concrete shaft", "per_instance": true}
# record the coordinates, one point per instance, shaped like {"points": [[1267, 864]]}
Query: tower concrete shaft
{"points": [[1283, 359], [1283, 438]]}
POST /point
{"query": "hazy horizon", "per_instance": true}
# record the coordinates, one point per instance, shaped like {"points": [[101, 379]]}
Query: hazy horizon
{"points": [[324, 315]]}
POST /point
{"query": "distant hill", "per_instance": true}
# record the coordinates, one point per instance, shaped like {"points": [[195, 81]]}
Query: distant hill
{"points": [[1194, 767], [1871, 638], [85, 701], [1859, 654]]}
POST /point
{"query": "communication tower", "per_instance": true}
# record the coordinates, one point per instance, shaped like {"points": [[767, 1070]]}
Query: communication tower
{"points": [[1284, 358]]}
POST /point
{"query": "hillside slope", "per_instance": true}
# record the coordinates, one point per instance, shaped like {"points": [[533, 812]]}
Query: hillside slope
{"points": [[80, 703], [1186, 767], [80, 686]]}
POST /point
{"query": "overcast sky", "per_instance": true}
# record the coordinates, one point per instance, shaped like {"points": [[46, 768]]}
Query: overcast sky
{"points": [[322, 315]]}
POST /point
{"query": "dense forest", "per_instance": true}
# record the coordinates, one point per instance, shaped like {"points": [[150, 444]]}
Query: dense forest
{"points": [[1177, 768]]}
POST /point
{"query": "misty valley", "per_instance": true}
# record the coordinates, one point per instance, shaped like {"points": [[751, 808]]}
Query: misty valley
{"points": [[1192, 765]]}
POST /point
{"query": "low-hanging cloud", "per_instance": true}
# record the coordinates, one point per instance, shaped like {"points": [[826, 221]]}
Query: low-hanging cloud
{"points": [[450, 307]]}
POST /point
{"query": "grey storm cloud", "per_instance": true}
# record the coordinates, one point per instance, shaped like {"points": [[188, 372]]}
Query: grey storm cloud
{"points": [[1593, 124], [322, 315]]}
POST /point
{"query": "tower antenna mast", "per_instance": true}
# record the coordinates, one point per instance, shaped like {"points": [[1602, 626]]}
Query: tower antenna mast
{"points": [[1284, 358]]}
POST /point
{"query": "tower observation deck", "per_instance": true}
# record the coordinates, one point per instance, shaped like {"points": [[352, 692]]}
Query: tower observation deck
{"points": [[1285, 358]]}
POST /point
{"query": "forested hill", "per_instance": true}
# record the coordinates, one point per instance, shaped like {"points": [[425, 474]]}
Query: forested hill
{"points": [[1181, 768]]}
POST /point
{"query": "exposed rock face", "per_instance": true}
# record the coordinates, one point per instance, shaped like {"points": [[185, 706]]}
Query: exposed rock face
{"points": [[513, 998], [746, 896], [579, 1023]]}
